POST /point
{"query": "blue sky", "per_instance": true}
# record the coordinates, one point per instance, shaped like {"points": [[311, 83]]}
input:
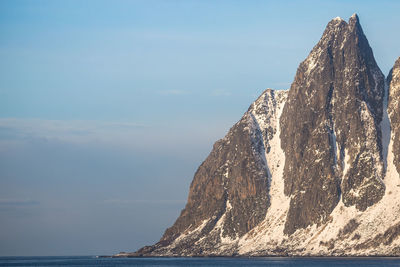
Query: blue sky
{"points": [[108, 107]]}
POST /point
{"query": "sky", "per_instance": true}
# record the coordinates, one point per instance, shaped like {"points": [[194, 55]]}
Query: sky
{"points": [[107, 108]]}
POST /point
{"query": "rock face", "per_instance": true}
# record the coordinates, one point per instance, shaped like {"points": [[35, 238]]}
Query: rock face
{"points": [[394, 110], [332, 120], [309, 171]]}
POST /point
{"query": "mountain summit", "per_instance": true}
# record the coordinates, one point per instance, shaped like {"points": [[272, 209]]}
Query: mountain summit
{"points": [[332, 136], [309, 171]]}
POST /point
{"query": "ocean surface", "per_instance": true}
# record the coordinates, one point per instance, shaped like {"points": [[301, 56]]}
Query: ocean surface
{"points": [[275, 261]]}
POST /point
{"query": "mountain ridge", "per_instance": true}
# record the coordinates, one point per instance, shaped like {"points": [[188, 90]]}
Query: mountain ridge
{"points": [[312, 171]]}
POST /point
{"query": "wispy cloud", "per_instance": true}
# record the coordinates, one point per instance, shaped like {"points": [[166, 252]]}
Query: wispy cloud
{"points": [[143, 201], [75, 131], [129, 136], [18, 202]]}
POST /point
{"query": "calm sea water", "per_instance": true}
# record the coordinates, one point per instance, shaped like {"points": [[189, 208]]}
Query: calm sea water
{"points": [[92, 261]]}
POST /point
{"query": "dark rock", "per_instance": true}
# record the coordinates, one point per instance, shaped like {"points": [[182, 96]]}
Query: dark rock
{"points": [[334, 108], [349, 228], [381, 239]]}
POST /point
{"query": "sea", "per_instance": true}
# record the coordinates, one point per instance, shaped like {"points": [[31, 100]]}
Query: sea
{"points": [[220, 261]]}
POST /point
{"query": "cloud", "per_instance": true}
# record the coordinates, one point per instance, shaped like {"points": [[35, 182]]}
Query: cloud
{"points": [[160, 138], [143, 201], [71, 131], [18, 202]]}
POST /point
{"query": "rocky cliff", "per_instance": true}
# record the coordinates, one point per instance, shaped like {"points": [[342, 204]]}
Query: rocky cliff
{"points": [[393, 82], [309, 171], [332, 137]]}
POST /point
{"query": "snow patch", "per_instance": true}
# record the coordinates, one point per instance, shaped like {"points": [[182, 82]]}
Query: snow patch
{"points": [[188, 233], [346, 162], [219, 226], [334, 144], [385, 126]]}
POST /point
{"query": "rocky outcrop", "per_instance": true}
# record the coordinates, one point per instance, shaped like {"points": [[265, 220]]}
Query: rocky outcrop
{"points": [[306, 172], [331, 125], [394, 110]]}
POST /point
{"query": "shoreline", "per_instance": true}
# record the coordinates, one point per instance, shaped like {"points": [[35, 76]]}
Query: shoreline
{"points": [[263, 256]]}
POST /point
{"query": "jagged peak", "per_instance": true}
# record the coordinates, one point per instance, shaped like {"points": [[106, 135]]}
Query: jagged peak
{"points": [[354, 23], [338, 19], [268, 91], [336, 22], [354, 18], [337, 33]]}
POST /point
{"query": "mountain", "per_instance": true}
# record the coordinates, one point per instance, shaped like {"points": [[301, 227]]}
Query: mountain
{"points": [[332, 138], [309, 171]]}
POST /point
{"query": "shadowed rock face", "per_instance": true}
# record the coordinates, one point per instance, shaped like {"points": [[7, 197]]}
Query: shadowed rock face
{"points": [[330, 127], [231, 185], [232, 175], [394, 110]]}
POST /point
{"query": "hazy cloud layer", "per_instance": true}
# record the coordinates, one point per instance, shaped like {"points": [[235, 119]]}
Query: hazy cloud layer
{"points": [[72, 131], [144, 201], [127, 135], [18, 202]]}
